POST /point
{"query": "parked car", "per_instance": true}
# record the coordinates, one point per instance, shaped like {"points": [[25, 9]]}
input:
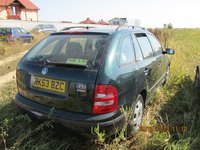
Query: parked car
{"points": [[45, 28], [12, 34], [83, 78]]}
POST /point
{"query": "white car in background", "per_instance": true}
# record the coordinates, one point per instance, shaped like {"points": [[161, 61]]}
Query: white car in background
{"points": [[47, 28]]}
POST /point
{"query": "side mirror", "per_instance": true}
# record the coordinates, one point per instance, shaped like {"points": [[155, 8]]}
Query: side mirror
{"points": [[169, 51]]}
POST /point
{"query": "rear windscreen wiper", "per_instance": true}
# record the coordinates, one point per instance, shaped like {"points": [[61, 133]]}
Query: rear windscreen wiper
{"points": [[47, 62]]}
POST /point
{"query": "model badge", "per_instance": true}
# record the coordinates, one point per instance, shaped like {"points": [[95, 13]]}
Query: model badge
{"points": [[80, 87], [44, 70]]}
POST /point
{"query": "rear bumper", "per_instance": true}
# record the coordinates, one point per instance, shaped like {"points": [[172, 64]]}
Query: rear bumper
{"points": [[82, 123]]}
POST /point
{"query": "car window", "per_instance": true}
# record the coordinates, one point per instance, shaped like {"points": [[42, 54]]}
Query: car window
{"points": [[73, 49], [82, 41], [23, 31], [17, 31], [47, 50], [157, 48], [126, 54], [138, 53], [51, 26], [40, 26], [144, 44], [45, 27]]}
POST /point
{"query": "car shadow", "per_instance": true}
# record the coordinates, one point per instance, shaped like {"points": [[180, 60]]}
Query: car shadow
{"points": [[180, 113]]}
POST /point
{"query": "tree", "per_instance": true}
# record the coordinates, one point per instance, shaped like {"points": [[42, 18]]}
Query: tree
{"points": [[170, 26], [165, 25]]}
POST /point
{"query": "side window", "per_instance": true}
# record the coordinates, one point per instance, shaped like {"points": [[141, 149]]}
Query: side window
{"points": [[138, 53], [23, 31], [126, 54], [157, 48], [17, 31], [144, 44]]}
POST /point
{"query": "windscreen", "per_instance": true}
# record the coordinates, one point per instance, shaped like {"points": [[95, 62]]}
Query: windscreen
{"points": [[69, 49]]}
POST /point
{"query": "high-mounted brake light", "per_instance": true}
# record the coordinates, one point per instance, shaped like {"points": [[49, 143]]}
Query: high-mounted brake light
{"points": [[73, 32], [105, 99]]}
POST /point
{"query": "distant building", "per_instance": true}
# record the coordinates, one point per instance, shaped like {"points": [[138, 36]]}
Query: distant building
{"points": [[88, 21], [18, 9], [118, 21], [102, 22]]}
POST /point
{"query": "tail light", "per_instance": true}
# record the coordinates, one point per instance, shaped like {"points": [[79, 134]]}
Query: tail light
{"points": [[105, 99]]}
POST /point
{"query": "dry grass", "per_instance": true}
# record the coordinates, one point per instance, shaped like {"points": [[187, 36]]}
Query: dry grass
{"points": [[17, 47]]}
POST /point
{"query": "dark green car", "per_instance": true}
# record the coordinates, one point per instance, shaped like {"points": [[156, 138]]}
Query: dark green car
{"points": [[83, 77]]}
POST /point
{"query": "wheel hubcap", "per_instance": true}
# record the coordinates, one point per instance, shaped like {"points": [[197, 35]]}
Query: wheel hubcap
{"points": [[137, 116]]}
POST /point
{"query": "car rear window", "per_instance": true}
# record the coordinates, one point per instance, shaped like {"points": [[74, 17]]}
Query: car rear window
{"points": [[69, 49]]}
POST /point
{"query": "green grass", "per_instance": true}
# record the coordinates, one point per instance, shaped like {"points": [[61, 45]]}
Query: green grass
{"points": [[176, 106]]}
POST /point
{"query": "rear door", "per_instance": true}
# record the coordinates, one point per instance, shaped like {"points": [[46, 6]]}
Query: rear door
{"points": [[128, 69], [148, 64]]}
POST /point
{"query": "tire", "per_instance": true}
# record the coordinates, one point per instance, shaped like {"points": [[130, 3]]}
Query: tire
{"points": [[136, 116], [197, 80]]}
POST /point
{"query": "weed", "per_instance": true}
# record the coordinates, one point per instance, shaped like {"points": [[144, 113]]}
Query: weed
{"points": [[100, 135]]}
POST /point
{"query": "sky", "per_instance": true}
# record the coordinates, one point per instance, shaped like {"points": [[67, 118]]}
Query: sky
{"points": [[151, 13]]}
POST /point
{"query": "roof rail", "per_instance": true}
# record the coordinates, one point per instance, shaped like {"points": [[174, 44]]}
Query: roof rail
{"points": [[75, 27], [132, 27]]}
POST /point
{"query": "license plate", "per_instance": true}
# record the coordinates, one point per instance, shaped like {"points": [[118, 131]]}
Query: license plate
{"points": [[49, 84]]}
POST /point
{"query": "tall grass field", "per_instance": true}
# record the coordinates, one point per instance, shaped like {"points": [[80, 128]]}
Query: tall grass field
{"points": [[171, 121]]}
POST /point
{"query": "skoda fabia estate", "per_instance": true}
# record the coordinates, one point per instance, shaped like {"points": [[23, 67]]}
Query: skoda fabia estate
{"points": [[84, 77]]}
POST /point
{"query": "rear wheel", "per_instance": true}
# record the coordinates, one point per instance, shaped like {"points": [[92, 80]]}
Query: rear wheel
{"points": [[136, 118]]}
